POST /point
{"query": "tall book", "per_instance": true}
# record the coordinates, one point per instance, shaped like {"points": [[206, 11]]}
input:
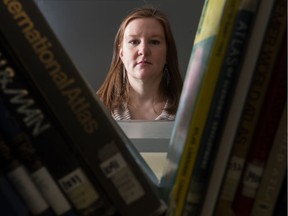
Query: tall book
{"points": [[26, 110], [247, 125], [236, 107], [274, 173], [220, 105], [96, 139], [213, 34], [262, 141]]}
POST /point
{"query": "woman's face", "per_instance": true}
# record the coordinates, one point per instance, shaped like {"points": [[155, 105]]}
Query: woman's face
{"points": [[143, 50]]}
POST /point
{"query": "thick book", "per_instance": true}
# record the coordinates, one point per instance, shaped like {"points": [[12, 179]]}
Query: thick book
{"points": [[256, 94], [262, 141], [220, 105], [235, 110], [24, 104], [274, 173], [213, 34], [105, 150]]}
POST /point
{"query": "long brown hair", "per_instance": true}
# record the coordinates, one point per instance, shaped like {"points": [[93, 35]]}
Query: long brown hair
{"points": [[114, 91]]}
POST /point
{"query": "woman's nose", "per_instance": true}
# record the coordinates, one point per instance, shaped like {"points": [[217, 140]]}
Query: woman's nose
{"points": [[144, 49]]}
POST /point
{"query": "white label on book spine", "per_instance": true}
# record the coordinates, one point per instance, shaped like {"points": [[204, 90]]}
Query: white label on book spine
{"points": [[251, 180], [26, 187], [233, 177], [51, 191], [79, 189], [120, 174]]}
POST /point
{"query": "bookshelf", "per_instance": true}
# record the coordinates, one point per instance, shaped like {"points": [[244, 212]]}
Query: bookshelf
{"points": [[148, 136], [151, 138]]}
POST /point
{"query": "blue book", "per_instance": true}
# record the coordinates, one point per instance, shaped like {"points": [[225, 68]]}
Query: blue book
{"points": [[10, 202]]}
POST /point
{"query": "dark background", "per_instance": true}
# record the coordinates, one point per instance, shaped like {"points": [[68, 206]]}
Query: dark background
{"points": [[86, 29]]}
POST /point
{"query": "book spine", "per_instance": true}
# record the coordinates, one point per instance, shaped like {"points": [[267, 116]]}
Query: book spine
{"points": [[262, 141], [74, 106], [250, 115], [11, 203], [22, 182], [280, 208], [220, 106], [186, 107], [235, 110], [17, 95], [274, 173], [225, 20], [180, 129]]}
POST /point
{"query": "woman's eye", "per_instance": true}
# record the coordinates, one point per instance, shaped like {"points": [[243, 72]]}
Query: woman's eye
{"points": [[155, 42], [133, 42]]}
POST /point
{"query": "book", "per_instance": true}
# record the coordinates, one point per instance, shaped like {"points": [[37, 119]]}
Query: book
{"points": [[213, 35], [186, 106], [235, 110], [220, 105], [180, 128], [96, 139], [19, 177], [262, 140], [19, 97], [274, 173], [253, 103], [281, 203], [11, 202]]}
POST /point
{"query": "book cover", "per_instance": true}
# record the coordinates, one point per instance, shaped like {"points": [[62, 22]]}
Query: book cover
{"points": [[95, 136], [274, 173], [220, 105], [213, 35], [25, 106], [253, 103], [262, 140], [181, 124], [235, 110]]}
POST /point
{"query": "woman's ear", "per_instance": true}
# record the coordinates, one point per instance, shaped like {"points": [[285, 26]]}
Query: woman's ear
{"points": [[120, 52]]}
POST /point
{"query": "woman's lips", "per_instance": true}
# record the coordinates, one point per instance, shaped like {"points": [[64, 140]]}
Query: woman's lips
{"points": [[143, 62]]}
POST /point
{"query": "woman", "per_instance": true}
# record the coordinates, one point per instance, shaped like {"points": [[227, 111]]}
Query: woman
{"points": [[143, 82]]}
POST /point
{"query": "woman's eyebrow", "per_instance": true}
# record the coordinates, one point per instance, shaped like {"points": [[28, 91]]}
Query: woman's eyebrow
{"points": [[150, 36]]}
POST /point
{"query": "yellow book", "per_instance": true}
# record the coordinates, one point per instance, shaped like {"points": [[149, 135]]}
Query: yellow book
{"points": [[213, 36]]}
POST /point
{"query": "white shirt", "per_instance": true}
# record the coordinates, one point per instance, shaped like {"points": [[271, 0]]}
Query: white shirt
{"points": [[119, 114]]}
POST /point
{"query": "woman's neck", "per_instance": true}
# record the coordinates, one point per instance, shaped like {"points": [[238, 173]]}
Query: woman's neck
{"points": [[145, 105]]}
